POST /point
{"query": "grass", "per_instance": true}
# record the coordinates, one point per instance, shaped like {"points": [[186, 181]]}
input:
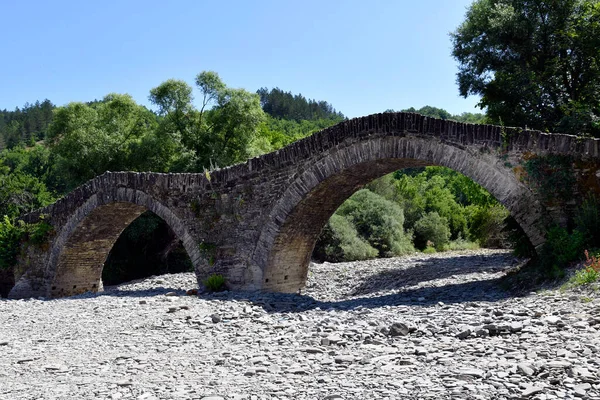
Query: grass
{"points": [[215, 283]]}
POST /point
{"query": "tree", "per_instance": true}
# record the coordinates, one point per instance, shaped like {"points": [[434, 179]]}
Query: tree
{"points": [[88, 140], [220, 133], [534, 63]]}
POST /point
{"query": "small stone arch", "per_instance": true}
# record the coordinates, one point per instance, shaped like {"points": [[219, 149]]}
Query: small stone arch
{"points": [[81, 246], [294, 223]]}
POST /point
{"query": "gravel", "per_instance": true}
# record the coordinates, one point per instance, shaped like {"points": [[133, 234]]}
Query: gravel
{"points": [[421, 327]]}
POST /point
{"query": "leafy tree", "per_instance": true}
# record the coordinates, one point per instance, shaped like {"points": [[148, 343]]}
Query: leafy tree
{"points": [[339, 241], [377, 220], [440, 113], [89, 140], [534, 63], [221, 132], [431, 227]]}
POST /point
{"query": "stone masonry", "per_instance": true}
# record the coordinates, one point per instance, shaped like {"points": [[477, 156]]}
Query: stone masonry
{"points": [[257, 222]]}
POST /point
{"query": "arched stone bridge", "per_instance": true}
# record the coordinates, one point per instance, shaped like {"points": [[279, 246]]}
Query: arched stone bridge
{"points": [[257, 222]]}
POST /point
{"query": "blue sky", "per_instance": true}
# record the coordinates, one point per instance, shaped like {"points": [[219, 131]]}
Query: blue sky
{"points": [[361, 56]]}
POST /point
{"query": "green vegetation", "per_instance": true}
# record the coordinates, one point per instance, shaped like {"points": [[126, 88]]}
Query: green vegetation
{"points": [[430, 209], [440, 113], [533, 63], [14, 234], [47, 151], [215, 283], [589, 274]]}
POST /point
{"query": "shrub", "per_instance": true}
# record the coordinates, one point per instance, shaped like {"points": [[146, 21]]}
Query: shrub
{"points": [[378, 221], [10, 239], [560, 249], [486, 225], [432, 227], [12, 234], [587, 220], [461, 244], [215, 283], [339, 241]]}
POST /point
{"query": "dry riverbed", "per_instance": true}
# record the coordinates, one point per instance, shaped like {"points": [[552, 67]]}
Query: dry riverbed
{"points": [[420, 327]]}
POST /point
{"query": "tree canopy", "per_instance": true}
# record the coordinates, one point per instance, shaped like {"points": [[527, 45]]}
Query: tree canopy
{"points": [[534, 63], [285, 105]]}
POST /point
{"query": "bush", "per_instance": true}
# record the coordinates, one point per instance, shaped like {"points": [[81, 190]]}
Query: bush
{"points": [[12, 234], [378, 221], [10, 240], [215, 283], [431, 227], [461, 244], [587, 220], [487, 226], [339, 241], [560, 249]]}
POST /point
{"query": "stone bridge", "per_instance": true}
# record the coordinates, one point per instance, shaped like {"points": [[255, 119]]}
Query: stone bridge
{"points": [[257, 222]]}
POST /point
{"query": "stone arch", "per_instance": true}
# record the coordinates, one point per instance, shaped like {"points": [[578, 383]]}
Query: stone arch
{"points": [[83, 243], [294, 223]]}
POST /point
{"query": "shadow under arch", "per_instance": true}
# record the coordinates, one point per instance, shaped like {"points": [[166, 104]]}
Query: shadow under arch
{"points": [[82, 245], [287, 239]]}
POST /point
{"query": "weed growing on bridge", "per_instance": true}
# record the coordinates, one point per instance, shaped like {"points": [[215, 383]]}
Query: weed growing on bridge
{"points": [[552, 175], [215, 283], [208, 251]]}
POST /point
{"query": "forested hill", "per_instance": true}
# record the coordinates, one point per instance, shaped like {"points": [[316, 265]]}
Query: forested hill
{"points": [[25, 125], [285, 105]]}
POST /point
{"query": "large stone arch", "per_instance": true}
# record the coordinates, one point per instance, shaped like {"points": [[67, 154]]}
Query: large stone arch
{"points": [[81, 246], [294, 223]]}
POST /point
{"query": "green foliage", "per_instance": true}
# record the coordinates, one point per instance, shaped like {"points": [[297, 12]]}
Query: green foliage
{"points": [[215, 283], [378, 221], [440, 113], [533, 63], [461, 244], [285, 105], [431, 228], [88, 140], [429, 250], [589, 274], [487, 225], [208, 251], [587, 221], [339, 241], [553, 175], [13, 234], [21, 193], [560, 249], [584, 276], [25, 125]]}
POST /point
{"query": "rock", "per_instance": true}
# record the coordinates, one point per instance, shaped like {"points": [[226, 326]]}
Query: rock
{"points": [[216, 318], [398, 329], [478, 373], [531, 390], [171, 294], [191, 292], [464, 334], [525, 369]]}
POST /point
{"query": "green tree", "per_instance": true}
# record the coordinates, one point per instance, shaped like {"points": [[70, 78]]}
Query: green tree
{"points": [[378, 221], [221, 132], [534, 63], [88, 140]]}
